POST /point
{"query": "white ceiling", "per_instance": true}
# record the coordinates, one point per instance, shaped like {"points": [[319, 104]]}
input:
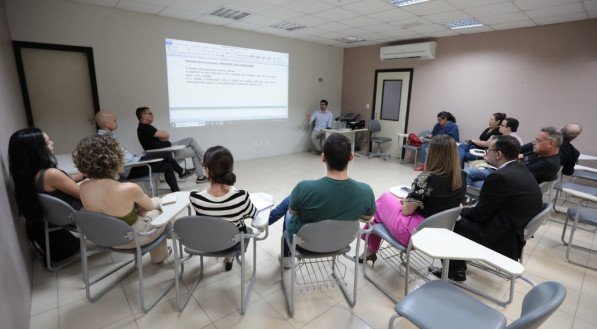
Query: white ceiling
{"points": [[376, 21]]}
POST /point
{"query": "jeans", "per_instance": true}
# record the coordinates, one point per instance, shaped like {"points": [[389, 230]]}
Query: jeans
{"points": [[476, 176], [167, 166], [464, 155], [279, 211], [424, 148], [317, 137]]}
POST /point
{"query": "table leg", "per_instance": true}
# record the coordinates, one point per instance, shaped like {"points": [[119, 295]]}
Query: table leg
{"points": [[445, 268]]}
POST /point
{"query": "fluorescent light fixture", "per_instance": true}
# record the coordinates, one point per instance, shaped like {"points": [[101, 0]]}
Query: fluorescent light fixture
{"points": [[287, 25], [402, 3], [463, 24], [350, 39], [230, 13]]}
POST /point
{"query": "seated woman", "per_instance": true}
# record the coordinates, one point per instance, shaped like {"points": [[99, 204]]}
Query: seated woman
{"points": [[33, 169], [464, 153], [100, 158], [440, 187], [221, 198], [446, 125]]}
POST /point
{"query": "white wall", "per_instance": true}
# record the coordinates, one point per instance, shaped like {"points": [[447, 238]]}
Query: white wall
{"points": [[131, 70]]}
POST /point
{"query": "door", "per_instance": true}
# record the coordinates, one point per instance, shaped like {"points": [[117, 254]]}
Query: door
{"points": [[59, 91], [391, 102]]}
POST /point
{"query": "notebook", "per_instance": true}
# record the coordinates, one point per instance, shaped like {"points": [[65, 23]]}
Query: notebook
{"points": [[168, 199], [400, 191], [262, 201]]}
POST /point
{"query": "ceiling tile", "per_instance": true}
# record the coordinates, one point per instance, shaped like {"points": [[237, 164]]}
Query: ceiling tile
{"points": [[103, 3], [374, 36], [472, 3], [360, 21], [445, 33], [408, 23], [335, 26], [447, 17], [426, 29], [336, 14], [139, 7], [392, 15], [180, 14], [215, 20], [514, 25], [310, 31], [310, 20], [203, 7], [356, 32], [259, 20], [402, 34], [590, 5], [573, 8], [243, 25], [282, 13], [340, 2], [492, 10], [561, 19], [162, 3], [253, 6], [369, 6], [278, 2], [381, 27], [536, 4], [308, 6], [505, 18], [429, 7]]}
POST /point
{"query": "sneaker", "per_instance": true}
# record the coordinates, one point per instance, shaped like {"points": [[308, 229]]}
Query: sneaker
{"points": [[186, 173], [201, 179], [286, 262], [457, 276], [420, 167], [228, 261]]}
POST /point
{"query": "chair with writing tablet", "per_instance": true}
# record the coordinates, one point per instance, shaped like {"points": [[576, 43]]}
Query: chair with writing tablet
{"points": [[151, 178]]}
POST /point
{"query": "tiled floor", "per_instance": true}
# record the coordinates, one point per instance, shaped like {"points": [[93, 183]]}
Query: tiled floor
{"points": [[59, 301]]}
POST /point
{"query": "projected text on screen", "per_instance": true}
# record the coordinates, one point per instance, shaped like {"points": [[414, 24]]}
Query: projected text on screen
{"points": [[210, 83]]}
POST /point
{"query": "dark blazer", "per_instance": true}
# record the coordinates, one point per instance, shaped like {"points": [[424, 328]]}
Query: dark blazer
{"points": [[510, 197]]}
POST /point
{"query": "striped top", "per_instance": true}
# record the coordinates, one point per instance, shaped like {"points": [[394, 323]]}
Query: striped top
{"points": [[234, 206]]}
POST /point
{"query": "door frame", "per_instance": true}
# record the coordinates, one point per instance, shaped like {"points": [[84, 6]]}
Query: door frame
{"points": [[88, 51], [410, 84]]}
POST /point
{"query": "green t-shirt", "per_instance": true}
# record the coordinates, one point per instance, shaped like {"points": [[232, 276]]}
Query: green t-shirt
{"points": [[327, 198]]}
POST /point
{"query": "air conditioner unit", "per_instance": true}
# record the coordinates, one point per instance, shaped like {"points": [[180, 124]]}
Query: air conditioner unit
{"points": [[423, 50]]}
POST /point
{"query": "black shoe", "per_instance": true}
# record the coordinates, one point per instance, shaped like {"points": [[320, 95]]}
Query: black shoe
{"points": [[201, 179], [457, 275], [228, 266], [186, 173], [371, 258]]}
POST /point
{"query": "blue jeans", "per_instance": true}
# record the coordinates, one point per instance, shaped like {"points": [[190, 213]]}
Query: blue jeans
{"points": [[424, 148], [279, 211], [286, 246], [476, 176], [464, 155]]}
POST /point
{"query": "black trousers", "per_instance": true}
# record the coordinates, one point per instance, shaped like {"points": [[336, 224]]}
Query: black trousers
{"points": [[167, 166]]}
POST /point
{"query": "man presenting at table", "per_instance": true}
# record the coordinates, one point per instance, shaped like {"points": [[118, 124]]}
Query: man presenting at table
{"points": [[323, 119], [509, 199], [152, 138]]}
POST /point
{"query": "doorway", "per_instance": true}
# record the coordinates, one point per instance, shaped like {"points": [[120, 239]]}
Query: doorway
{"points": [[59, 91], [391, 105]]}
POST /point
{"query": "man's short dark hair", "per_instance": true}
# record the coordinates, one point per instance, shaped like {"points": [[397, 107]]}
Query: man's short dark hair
{"points": [[508, 145], [140, 110], [324, 101], [512, 124], [336, 150]]}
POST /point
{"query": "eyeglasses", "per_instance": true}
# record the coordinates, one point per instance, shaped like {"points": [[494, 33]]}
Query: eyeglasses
{"points": [[503, 125], [537, 140]]}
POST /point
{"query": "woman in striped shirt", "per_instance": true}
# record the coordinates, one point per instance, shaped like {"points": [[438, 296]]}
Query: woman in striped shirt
{"points": [[222, 199]]}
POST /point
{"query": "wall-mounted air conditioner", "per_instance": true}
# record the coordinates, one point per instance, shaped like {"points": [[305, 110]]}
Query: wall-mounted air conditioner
{"points": [[423, 50]]}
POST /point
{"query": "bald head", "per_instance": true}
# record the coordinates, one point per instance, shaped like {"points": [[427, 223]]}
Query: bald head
{"points": [[571, 131], [106, 120]]}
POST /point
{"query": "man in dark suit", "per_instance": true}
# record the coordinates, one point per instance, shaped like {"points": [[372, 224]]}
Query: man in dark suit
{"points": [[509, 199]]}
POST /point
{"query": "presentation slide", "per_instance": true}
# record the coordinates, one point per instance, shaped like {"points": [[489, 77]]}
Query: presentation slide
{"points": [[215, 84]]}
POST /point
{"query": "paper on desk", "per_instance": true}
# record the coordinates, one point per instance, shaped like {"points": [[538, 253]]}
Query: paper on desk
{"points": [[262, 201]]}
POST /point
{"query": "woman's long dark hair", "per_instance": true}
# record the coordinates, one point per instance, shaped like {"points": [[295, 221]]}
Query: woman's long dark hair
{"points": [[27, 155]]}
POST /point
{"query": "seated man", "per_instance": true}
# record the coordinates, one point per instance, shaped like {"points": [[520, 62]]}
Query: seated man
{"points": [[509, 127], [151, 139], [335, 196], [108, 123], [541, 158], [509, 199], [323, 119], [568, 153]]}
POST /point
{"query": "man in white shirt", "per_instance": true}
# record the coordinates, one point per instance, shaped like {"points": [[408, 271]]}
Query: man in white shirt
{"points": [[323, 119]]}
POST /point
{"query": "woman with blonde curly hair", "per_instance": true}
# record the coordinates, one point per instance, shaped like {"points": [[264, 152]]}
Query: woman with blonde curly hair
{"points": [[100, 158]]}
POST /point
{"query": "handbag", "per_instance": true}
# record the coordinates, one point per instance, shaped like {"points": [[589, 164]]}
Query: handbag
{"points": [[414, 140]]}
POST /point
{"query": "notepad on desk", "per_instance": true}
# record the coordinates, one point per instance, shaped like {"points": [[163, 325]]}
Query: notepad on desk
{"points": [[262, 201], [400, 191]]}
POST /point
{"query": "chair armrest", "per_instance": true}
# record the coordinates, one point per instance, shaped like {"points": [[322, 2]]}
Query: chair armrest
{"points": [[580, 194], [581, 167], [144, 162], [167, 149], [477, 152]]}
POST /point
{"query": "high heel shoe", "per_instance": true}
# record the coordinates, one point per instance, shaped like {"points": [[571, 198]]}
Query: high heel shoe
{"points": [[370, 258]]}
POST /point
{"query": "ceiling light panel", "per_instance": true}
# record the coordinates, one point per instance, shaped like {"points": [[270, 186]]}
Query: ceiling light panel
{"points": [[463, 24], [350, 39], [402, 3], [287, 25], [229, 13]]}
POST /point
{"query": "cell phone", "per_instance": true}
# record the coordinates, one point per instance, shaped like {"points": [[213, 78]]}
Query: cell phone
{"points": [[405, 189]]}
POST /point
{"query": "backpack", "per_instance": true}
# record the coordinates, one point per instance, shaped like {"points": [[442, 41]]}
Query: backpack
{"points": [[414, 140]]}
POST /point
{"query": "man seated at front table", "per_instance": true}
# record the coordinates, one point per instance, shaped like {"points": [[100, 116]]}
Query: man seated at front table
{"points": [[108, 123], [323, 119], [151, 139], [335, 196], [541, 157], [509, 199]]}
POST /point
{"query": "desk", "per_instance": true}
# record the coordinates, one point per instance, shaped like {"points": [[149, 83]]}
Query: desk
{"points": [[444, 244], [65, 162], [170, 211], [172, 148], [350, 133], [587, 157]]}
